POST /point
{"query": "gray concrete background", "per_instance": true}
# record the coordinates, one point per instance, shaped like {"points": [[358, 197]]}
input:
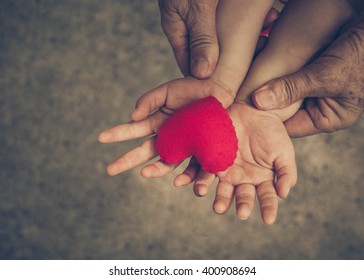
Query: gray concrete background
{"points": [[69, 69]]}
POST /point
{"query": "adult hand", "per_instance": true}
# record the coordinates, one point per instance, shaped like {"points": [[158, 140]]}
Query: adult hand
{"points": [[151, 111], [191, 30], [333, 85], [190, 27]]}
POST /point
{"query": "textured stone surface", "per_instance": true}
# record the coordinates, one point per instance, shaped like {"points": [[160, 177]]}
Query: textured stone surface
{"points": [[69, 69]]}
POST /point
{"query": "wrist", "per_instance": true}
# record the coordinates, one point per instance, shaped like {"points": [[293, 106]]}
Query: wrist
{"points": [[247, 109], [227, 79], [221, 90], [244, 94]]}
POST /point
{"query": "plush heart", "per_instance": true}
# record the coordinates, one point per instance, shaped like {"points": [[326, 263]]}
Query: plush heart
{"points": [[202, 129]]}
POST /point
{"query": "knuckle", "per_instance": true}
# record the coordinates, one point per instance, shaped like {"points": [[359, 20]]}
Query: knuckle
{"points": [[247, 197], [187, 20], [202, 41], [200, 21], [172, 15], [172, 28], [325, 76], [267, 196], [268, 201], [284, 91], [326, 125], [356, 38], [333, 115], [173, 6]]}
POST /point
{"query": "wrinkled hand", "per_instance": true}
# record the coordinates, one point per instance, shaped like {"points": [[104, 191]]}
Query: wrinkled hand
{"points": [[191, 30], [190, 27], [333, 86], [151, 111]]}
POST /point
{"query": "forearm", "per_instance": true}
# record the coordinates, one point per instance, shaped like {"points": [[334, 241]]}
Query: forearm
{"points": [[239, 24], [295, 40], [265, 68]]}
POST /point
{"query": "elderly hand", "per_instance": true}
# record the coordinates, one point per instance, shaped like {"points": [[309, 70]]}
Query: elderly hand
{"points": [[333, 85], [191, 30], [190, 27]]}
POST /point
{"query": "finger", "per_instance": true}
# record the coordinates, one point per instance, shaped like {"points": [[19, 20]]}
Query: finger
{"points": [[319, 115], [203, 183], [301, 125], [188, 175], [245, 198], [158, 169], [223, 198], [126, 131], [286, 170], [314, 80], [177, 35], [149, 102], [204, 49], [268, 201], [144, 152]]}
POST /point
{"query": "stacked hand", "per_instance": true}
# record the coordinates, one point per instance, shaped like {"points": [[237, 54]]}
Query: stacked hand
{"points": [[333, 86], [264, 166], [254, 169], [191, 30], [151, 111]]}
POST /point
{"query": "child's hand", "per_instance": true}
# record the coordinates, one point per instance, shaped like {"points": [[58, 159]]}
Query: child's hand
{"points": [[151, 111], [265, 165]]}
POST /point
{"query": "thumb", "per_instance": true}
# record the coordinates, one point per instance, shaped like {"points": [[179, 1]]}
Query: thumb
{"points": [[314, 80], [204, 48]]}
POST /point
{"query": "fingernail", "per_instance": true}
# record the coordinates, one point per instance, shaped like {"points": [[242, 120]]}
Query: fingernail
{"points": [[200, 66], [265, 98]]}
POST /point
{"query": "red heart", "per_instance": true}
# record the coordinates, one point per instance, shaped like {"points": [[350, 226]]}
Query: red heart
{"points": [[202, 129]]}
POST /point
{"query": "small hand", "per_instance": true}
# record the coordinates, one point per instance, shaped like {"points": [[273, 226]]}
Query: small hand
{"points": [[151, 112], [332, 85], [265, 166]]}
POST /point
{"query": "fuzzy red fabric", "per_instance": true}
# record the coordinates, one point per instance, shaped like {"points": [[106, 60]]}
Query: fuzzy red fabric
{"points": [[202, 129]]}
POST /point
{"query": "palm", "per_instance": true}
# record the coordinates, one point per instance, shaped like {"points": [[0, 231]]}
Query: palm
{"points": [[177, 93], [265, 152], [152, 110]]}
